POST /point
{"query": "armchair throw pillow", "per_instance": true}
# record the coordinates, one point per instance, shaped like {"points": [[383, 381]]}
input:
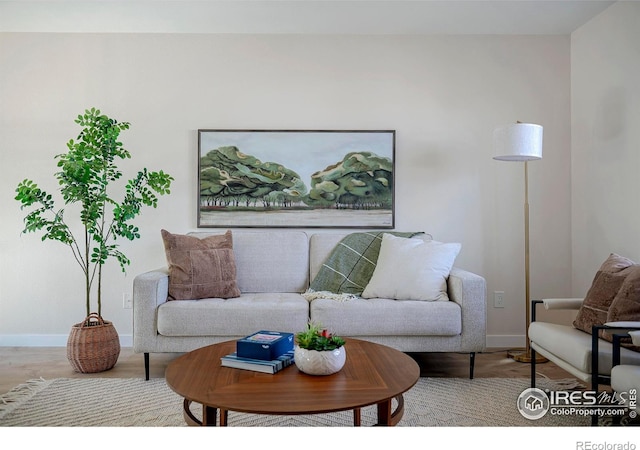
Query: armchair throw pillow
{"points": [[412, 269], [625, 307], [200, 268], [604, 288]]}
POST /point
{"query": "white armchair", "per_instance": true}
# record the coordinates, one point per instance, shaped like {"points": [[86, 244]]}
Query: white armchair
{"points": [[584, 355], [572, 349], [625, 377]]}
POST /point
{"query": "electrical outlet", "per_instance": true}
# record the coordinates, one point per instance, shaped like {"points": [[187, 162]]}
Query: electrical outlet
{"points": [[127, 300], [498, 299]]}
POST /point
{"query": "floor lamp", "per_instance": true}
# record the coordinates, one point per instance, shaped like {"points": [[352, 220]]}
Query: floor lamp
{"points": [[521, 142]]}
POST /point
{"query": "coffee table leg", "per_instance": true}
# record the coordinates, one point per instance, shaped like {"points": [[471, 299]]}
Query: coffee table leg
{"points": [[387, 417], [384, 412], [224, 417], [356, 417], [209, 416]]}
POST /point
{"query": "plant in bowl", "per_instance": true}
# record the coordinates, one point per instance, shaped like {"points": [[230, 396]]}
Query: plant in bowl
{"points": [[87, 175], [315, 337], [318, 351]]}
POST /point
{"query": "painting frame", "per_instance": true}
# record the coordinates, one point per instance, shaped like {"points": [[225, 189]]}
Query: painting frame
{"points": [[252, 178]]}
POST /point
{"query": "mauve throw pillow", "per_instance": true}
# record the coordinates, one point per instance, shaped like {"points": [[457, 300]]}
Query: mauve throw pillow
{"points": [[603, 290], [200, 268]]}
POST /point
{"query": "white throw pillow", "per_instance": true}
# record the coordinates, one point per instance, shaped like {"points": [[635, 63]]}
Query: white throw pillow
{"points": [[412, 269]]}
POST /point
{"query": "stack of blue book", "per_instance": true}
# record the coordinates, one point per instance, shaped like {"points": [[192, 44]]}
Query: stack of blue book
{"points": [[258, 365], [263, 351]]}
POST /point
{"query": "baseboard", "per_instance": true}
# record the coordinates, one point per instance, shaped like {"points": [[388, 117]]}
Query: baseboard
{"points": [[48, 340], [505, 341]]}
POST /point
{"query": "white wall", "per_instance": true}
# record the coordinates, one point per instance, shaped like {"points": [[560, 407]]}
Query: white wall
{"points": [[442, 95], [605, 108]]}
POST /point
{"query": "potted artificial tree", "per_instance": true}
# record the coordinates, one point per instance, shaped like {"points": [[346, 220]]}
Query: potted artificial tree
{"points": [[86, 172]]}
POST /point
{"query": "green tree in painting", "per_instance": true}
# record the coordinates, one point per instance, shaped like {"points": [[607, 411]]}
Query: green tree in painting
{"points": [[228, 177], [362, 180]]}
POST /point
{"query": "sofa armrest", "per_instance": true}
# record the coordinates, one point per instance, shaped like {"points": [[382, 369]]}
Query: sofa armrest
{"points": [[622, 328], [618, 330], [150, 290], [554, 304], [469, 290], [562, 303], [635, 337]]}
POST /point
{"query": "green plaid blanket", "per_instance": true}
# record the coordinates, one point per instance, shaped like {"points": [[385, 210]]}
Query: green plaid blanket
{"points": [[349, 267]]}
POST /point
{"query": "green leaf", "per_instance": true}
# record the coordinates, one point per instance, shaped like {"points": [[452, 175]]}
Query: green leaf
{"points": [[85, 175]]}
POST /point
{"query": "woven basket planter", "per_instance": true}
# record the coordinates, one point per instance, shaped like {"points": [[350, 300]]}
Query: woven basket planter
{"points": [[93, 345]]}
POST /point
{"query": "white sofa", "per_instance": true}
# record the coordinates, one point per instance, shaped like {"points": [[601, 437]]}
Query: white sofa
{"points": [[274, 269]]}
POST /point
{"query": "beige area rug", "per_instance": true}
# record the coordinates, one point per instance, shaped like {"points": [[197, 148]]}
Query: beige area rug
{"points": [[432, 402]]}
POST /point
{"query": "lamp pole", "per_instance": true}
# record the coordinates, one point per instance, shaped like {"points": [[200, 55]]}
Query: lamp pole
{"points": [[521, 142], [519, 355]]}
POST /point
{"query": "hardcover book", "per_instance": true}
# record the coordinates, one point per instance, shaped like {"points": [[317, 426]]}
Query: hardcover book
{"points": [[265, 345], [258, 365]]}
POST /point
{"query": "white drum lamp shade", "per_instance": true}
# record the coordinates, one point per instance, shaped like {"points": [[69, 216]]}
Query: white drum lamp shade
{"points": [[518, 142]]}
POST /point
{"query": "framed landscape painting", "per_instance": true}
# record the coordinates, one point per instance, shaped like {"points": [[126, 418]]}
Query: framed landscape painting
{"points": [[296, 179]]}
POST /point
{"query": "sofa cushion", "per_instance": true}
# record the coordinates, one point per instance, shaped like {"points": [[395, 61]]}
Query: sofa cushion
{"points": [[351, 263], [322, 244], [320, 247], [604, 288], [234, 317], [411, 269], [270, 260], [200, 268], [387, 317]]}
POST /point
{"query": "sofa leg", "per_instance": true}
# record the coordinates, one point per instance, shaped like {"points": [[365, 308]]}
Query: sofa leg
{"points": [[533, 368], [146, 366], [472, 363]]}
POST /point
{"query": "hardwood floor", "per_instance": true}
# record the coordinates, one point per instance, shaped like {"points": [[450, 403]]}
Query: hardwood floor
{"points": [[19, 364]]}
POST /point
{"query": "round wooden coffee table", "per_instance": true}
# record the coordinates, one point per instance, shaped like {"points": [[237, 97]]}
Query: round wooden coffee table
{"points": [[373, 375]]}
